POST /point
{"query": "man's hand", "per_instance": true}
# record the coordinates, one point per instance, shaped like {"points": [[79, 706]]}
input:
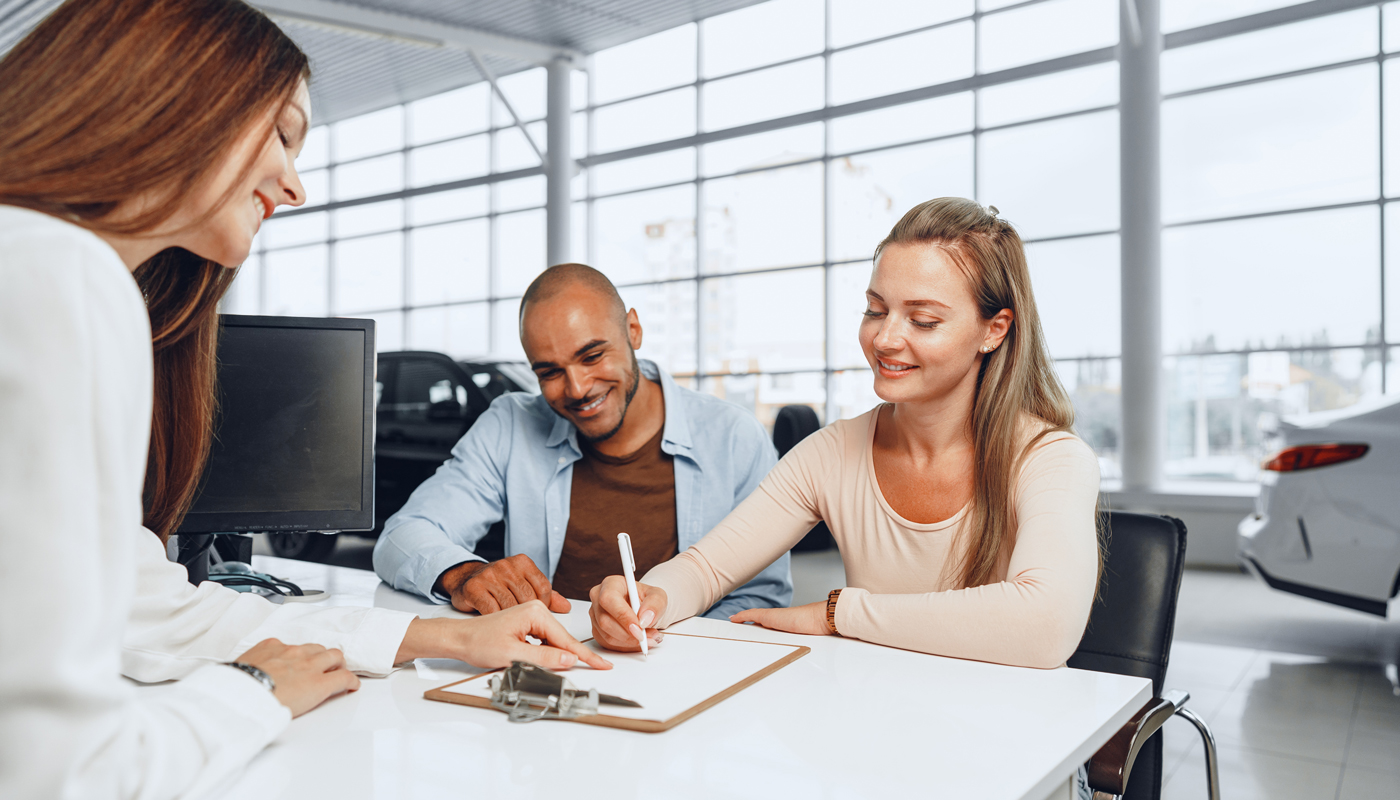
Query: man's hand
{"points": [[488, 588], [499, 639], [809, 619], [614, 625]]}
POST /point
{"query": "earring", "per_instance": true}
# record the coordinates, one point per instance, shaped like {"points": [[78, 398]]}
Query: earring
{"points": [[987, 348]]}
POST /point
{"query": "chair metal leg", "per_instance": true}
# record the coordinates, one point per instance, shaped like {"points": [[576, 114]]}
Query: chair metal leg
{"points": [[1208, 739]]}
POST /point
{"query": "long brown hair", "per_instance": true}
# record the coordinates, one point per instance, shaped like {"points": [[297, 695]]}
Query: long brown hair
{"points": [[107, 100], [1016, 379]]}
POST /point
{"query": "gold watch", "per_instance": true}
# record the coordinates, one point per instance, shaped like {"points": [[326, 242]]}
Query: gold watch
{"points": [[831, 610]]}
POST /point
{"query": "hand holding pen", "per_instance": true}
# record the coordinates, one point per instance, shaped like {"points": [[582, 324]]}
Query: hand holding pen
{"points": [[617, 624]]}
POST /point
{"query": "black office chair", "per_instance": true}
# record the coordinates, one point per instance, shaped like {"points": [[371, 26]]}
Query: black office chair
{"points": [[792, 425], [1130, 633]]}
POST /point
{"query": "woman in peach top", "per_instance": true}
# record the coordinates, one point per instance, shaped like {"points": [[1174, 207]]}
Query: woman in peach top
{"points": [[963, 507]]}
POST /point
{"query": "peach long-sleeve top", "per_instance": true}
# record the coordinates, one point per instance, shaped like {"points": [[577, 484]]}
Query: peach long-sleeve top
{"points": [[902, 589]]}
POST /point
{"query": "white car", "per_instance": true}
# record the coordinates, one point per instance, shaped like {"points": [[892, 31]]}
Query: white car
{"points": [[1327, 522]]}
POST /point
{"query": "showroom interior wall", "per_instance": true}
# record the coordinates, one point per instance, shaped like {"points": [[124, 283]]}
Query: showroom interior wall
{"points": [[736, 174]]}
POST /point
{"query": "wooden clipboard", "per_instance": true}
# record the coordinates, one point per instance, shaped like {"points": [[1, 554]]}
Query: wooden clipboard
{"points": [[641, 725]]}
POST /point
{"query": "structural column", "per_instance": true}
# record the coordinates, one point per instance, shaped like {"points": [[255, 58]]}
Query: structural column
{"points": [[1140, 178], [559, 163]]}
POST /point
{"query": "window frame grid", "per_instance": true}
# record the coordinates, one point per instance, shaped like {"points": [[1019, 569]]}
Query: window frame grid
{"points": [[979, 80], [1274, 19]]}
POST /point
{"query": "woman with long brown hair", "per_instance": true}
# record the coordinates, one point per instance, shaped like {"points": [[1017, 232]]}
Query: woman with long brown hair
{"points": [[141, 146], [964, 506]]}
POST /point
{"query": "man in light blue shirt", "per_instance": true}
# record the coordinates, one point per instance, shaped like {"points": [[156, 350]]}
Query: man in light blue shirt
{"points": [[611, 444]]}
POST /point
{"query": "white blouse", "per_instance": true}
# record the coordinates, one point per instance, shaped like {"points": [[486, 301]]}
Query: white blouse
{"points": [[85, 592], [175, 628]]}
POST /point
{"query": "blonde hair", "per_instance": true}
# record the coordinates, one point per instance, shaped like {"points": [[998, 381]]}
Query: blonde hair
{"points": [[1016, 379]]}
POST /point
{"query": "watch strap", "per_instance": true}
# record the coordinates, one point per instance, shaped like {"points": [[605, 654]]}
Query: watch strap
{"points": [[256, 674], [831, 610]]}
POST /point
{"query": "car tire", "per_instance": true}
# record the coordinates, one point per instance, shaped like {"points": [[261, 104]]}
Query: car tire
{"points": [[303, 546]]}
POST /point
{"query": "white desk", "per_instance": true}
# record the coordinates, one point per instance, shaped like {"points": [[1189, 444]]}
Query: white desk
{"points": [[817, 728]]}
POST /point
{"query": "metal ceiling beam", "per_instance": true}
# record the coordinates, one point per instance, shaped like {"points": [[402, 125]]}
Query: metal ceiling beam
{"points": [[505, 101], [415, 29]]}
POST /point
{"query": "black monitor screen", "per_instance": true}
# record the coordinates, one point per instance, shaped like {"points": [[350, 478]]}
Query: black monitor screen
{"points": [[293, 430]]}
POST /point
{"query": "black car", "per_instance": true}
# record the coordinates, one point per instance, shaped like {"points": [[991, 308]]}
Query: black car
{"points": [[424, 402]]}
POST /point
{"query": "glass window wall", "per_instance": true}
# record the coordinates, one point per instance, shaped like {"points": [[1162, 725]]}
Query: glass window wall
{"points": [[781, 142], [1277, 146]]}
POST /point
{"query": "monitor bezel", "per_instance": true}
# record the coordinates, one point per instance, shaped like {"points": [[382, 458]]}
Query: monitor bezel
{"points": [[304, 521]]}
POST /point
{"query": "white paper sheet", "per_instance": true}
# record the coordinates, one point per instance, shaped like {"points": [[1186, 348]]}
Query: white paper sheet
{"points": [[681, 672]]}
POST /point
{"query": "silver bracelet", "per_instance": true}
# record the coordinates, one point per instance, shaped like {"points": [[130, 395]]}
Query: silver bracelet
{"points": [[257, 675]]}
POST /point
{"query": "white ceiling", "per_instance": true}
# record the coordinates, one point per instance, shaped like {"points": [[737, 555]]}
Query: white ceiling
{"points": [[369, 54]]}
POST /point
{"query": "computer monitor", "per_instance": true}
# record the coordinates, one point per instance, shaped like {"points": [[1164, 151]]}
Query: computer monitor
{"points": [[293, 442]]}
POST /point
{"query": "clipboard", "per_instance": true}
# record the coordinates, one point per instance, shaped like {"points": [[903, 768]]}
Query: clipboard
{"points": [[700, 672]]}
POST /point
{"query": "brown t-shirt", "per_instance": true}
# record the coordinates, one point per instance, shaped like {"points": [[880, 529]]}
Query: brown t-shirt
{"points": [[635, 493]]}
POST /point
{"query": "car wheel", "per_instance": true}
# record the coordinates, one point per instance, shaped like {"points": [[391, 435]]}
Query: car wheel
{"points": [[302, 546]]}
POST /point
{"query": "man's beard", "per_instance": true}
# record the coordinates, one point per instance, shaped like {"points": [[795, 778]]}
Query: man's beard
{"points": [[626, 403]]}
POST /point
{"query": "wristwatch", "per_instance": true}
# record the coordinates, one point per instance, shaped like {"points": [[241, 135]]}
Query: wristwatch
{"points": [[256, 674], [831, 610]]}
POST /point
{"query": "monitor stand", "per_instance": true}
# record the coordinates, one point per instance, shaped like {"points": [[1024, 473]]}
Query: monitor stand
{"points": [[193, 554], [194, 550]]}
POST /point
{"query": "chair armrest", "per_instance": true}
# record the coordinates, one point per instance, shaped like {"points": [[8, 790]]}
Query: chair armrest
{"points": [[1111, 765], [1177, 697]]}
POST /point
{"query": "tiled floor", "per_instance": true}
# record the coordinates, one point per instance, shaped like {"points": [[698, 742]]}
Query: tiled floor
{"points": [[1295, 689]]}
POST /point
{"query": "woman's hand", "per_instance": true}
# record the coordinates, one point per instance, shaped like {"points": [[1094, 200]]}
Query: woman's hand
{"points": [[498, 639], [809, 619], [305, 674], [614, 625]]}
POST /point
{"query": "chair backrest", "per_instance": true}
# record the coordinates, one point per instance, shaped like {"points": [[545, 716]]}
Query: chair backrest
{"points": [[792, 425], [1130, 627]]}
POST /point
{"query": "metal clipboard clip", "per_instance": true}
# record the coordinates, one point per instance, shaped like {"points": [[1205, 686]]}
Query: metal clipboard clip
{"points": [[527, 692]]}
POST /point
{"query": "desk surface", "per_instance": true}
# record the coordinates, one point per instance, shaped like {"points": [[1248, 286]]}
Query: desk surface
{"points": [[816, 728]]}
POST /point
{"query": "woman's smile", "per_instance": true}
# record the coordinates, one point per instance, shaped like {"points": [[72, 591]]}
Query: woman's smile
{"points": [[894, 369]]}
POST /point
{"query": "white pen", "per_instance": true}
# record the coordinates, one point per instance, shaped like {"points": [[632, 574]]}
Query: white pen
{"points": [[629, 566]]}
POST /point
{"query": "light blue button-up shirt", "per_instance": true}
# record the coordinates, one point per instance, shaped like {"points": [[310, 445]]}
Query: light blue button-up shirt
{"points": [[517, 463]]}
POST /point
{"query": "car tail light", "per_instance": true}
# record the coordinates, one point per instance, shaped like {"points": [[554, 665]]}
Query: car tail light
{"points": [[1308, 456]]}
